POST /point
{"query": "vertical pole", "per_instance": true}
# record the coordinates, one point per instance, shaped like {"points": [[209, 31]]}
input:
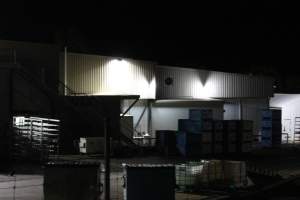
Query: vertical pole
{"points": [[107, 160], [151, 142], [240, 110], [14, 56], [11, 96], [65, 70]]}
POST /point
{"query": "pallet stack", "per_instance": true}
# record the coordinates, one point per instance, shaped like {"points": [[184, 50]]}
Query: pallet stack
{"points": [[231, 132], [271, 128], [238, 136], [218, 137], [245, 136], [195, 134], [35, 138], [166, 142]]}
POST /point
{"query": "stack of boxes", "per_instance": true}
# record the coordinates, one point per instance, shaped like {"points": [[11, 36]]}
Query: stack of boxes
{"points": [[271, 128], [166, 142], [218, 137], [238, 136], [231, 135], [245, 136], [195, 134], [200, 135]]}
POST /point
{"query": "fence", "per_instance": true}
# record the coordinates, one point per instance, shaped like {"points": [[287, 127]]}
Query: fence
{"points": [[194, 180]]}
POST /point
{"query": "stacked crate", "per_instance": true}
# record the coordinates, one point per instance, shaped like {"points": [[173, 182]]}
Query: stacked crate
{"points": [[195, 133], [166, 142], [35, 138], [245, 136], [218, 137], [271, 128], [238, 136], [190, 145], [231, 132]]}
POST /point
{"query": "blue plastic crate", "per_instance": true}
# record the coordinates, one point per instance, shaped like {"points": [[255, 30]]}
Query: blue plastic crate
{"points": [[266, 133], [266, 143], [271, 114]]}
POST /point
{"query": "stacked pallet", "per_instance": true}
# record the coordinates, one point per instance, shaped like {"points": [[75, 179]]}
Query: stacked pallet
{"points": [[231, 132], [245, 136], [166, 142], [35, 138], [218, 137], [238, 136], [195, 134], [271, 128]]}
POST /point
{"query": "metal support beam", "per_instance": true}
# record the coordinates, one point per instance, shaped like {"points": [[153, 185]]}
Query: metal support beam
{"points": [[240, 110], [107, 160], [11, 96], [136, 100], [140, 118], [149, 102]]}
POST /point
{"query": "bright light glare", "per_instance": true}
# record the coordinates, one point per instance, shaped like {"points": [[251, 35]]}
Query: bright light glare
{"points": [[124, 79], [204, 92], [120, 78]]}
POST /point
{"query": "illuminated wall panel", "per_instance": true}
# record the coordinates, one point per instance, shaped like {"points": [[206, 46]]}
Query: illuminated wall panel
{"points": [[192, 83], [101, 75]]}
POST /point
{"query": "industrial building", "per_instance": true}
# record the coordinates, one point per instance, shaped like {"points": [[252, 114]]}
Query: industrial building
{"points": [[90, 96]]}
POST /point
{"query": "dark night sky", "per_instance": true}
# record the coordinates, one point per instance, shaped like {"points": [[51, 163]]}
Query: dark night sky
{"points": [[238, 36]]}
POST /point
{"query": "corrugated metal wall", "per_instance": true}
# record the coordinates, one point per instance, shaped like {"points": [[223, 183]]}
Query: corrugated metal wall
{"points": [[165, 115], [93, 74], [251, 109], [192, 83]]}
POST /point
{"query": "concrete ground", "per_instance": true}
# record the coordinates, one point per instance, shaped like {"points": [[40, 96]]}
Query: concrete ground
{"points": [[21, 187], [30, 187], [29, 179]]}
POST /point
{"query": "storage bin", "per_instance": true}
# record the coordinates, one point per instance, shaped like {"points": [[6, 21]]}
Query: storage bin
{"points": [[149, 182]]}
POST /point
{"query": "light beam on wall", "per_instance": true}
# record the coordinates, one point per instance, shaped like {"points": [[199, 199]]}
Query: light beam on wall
{"points": [[123, 79], [202, 91], [119, 76]]}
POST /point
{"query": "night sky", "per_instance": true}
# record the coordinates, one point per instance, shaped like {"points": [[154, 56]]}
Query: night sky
{"points": [[239, 36]]}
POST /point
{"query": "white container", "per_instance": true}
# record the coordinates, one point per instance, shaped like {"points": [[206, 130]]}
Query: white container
{"points": [[92, 145], [235, 172]]}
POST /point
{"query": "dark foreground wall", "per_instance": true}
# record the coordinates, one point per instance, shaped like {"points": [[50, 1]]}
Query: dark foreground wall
{"points": [[83, 116]]}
